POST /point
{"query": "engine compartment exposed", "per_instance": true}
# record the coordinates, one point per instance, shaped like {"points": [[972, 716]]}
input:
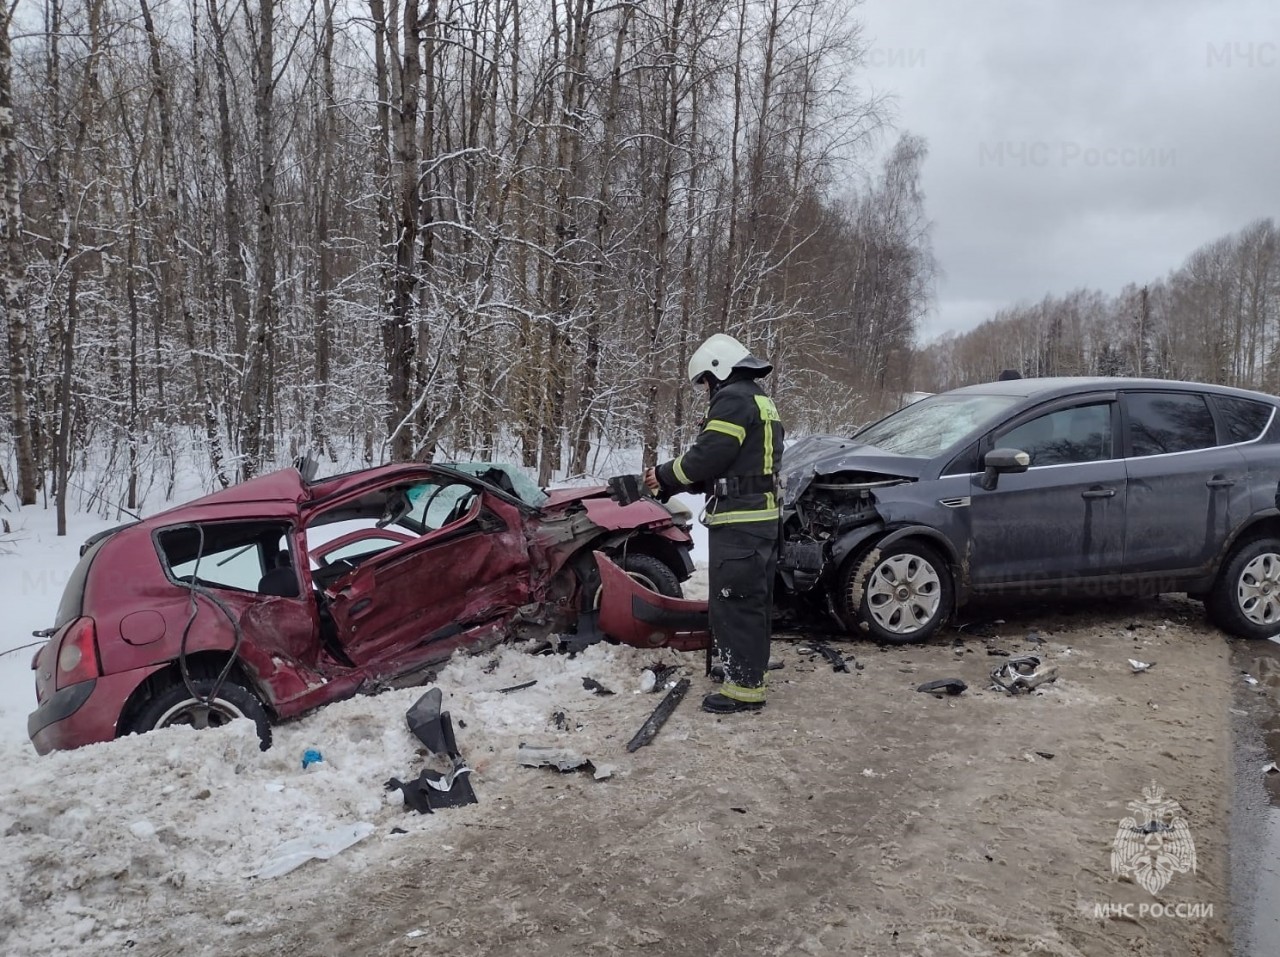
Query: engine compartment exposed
{"points": [[833, 504], [829, 507]]}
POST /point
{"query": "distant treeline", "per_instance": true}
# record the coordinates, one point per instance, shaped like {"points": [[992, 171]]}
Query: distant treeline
{"points": [[1214, 319]]}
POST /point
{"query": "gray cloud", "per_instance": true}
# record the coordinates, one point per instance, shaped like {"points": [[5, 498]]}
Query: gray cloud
{"points": [[1079, 142]]}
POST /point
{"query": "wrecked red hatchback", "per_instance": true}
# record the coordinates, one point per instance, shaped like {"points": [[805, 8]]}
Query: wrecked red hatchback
{"points": [[284, 593]]}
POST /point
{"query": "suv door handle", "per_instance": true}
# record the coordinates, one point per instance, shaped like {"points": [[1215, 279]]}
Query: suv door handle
{"points": [[1219, 482], [1098, 492]]}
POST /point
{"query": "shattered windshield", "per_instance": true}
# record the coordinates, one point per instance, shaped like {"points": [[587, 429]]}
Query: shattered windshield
{"points": [[509, 478], [929, 427]]}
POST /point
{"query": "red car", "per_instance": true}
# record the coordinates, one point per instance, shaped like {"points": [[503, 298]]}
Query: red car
{"points": [[276, 596]]}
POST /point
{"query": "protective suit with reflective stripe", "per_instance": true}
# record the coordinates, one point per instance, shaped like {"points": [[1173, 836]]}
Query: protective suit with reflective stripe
{"points": [[741, 443], [734, 462]]}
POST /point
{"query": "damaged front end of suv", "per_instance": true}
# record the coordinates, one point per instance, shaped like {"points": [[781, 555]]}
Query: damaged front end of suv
{"points": [[856, 549]]}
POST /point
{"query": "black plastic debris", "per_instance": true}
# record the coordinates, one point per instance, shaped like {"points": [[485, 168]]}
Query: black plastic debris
{"points": [[434, 789], [662, 673], [834, 658], [1000, 652], [519, 687], [596, 687], [944, 686], [1047, 755], [653, 724], [431, 790], [424, 721], [625, 489]]}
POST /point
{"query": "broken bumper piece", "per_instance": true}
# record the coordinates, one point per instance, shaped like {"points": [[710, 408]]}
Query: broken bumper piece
{"points": [[634, 615]]}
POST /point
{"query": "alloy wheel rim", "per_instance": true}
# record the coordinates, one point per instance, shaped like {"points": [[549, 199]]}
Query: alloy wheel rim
{"points": [[1258, 589], [904, 593], [194, 714]]}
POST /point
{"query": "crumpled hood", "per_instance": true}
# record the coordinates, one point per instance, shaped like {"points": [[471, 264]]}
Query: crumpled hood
{"points": [[827, 454], [557, 497]]}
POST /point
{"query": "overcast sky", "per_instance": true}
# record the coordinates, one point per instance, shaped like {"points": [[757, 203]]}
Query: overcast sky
{"points": [[1079, 142]]}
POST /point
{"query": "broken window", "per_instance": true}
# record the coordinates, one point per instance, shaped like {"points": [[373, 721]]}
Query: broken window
{"points": [[354, 531], [232, 555]]}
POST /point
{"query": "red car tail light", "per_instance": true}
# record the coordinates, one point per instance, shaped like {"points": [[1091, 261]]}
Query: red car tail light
{"points": [[78, 654]]}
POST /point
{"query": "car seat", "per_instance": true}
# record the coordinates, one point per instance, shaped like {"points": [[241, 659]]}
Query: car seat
{"points": [[281, 581]]}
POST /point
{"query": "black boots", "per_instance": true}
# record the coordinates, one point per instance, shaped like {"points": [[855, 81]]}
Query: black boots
{"points": [[722, 704]]}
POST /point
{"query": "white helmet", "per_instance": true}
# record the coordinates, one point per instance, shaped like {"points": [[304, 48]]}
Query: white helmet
{"points": [[720, 355]]}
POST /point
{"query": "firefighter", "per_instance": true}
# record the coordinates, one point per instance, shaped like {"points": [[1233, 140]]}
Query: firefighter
{"points": [[734, 462]]}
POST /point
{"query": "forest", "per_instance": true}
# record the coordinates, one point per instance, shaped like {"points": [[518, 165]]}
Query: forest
{"points": [[427, 228]]}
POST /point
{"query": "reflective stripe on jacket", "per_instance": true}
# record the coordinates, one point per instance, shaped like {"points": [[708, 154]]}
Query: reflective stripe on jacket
{"points": [[741, 438]]}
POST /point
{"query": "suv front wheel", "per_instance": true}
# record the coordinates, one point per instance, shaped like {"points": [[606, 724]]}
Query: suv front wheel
{"points": [[1245, 600], [899, 595]]}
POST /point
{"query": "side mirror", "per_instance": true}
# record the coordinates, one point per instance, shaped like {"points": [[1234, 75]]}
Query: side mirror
{"points": [[999, 461]]}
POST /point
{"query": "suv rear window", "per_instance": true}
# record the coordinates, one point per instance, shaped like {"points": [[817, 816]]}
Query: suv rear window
{"points": [[1243, 420], [1164, 422]]}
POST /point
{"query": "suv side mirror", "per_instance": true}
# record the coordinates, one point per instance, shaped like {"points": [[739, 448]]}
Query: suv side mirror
{"points": [[998, 461]]}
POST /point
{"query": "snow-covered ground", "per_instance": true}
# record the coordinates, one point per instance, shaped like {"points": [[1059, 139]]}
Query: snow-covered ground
{"points": [[87, 837]]}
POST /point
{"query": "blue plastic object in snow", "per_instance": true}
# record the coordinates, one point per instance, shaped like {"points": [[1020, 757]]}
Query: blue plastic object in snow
{"points": [[311, 756]]}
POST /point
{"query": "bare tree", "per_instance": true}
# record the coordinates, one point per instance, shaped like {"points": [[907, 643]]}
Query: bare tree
{"points": [[11, 274]]}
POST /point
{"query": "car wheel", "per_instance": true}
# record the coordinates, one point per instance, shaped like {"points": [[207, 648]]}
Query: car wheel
{"points": [[899, 595], [177, 706], [652, 573], [1245, 600]]}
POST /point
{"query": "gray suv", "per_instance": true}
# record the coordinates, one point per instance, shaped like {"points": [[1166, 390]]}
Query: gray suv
{"points": [[1066, 486]]}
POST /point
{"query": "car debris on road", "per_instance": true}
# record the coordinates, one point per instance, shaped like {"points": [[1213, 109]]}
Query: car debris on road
{"points": [[1022, 674], [943, 686], [661, 713]]}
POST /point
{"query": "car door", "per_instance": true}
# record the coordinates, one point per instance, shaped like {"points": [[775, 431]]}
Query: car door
{"points": [[1062, 519], [418, 600], [1185, 491]]}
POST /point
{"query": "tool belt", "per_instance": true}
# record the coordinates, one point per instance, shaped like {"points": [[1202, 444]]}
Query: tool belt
{"points": [[735, 486]]}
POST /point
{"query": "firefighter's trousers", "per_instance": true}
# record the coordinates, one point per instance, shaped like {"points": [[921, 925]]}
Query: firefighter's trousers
{"points": [[743, 560]]}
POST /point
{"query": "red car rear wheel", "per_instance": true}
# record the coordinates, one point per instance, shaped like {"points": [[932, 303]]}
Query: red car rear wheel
{"points": [[176, 705]]}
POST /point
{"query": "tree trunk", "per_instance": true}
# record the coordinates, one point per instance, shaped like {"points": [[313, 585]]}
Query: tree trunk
{"points": [[589, 379], [11, 275], [255, 395]]}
